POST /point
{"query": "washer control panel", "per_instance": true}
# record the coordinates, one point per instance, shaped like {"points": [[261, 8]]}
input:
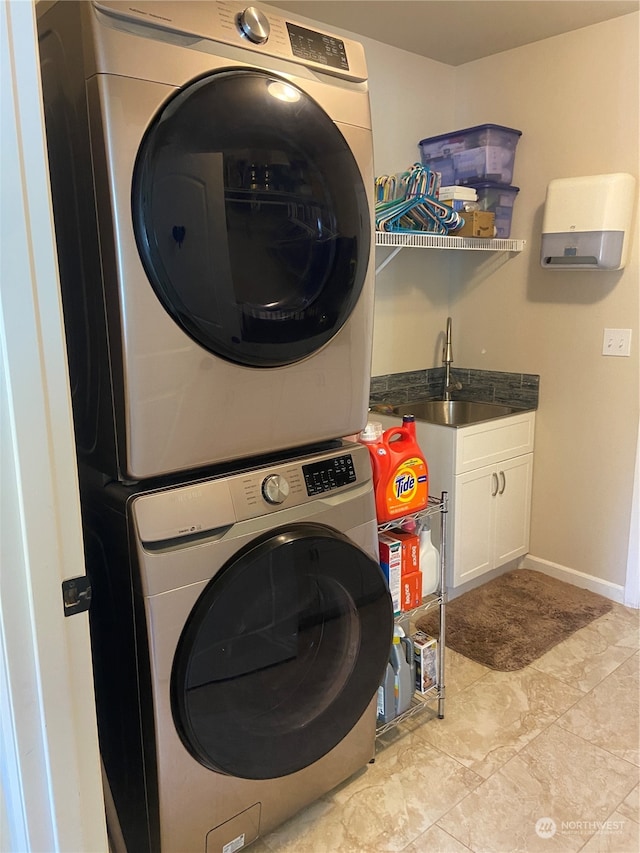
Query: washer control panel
{"points": [[195, 508], [298, 482], [329, 474]]}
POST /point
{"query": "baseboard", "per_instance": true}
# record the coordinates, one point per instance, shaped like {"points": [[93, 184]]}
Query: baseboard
{"points": [[455, 592], [613, 591]]}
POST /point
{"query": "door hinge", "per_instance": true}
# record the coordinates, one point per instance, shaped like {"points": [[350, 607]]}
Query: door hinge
{"points": [[76, 595]]}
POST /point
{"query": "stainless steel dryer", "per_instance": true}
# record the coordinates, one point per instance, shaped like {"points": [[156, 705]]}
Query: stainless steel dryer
{"points": [[240, 627], [212, 182]]}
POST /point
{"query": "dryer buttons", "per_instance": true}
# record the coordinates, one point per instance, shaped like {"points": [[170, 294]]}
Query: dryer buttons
{"points": [[275, 489], [254, 25]]}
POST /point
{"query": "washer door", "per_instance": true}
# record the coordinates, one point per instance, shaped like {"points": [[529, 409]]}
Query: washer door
{"points": [[251, 218], [282, 653]]}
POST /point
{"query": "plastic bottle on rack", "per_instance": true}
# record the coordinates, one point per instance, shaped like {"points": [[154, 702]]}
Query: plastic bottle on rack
{"points": [[402, 661], [429, 560], [371, 434], [400, 472], [386, 696]]}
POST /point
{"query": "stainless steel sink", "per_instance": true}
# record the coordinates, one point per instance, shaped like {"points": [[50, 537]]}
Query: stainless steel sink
{"points": [[449, 412]]}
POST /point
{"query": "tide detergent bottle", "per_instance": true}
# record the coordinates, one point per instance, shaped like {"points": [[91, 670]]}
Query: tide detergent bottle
{"points": [[400, 472]]}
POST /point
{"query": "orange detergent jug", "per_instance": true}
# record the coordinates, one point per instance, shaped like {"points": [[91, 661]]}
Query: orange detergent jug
{"points": [[400, 472]]}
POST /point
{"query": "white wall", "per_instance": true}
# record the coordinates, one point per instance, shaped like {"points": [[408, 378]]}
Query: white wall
{"points": [[575, 98], [411, 98]]}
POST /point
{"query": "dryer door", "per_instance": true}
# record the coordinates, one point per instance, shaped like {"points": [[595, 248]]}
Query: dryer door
{"points": [[251, 218], [282, 653]]}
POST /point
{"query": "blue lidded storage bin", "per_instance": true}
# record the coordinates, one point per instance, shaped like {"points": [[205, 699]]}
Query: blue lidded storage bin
{"points": [[499, 200], [483, 153]]}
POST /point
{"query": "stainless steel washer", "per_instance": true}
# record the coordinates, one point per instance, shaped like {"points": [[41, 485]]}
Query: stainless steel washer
{"points": [[212, 178], [240, 628]]}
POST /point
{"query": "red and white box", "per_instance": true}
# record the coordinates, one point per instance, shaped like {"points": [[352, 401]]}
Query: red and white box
{"points": [[391, 562], [411, 590], [410, 550], [390, 549]]}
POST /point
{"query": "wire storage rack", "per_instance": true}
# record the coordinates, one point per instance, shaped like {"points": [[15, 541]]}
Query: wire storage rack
{"points": [[421, 701]]}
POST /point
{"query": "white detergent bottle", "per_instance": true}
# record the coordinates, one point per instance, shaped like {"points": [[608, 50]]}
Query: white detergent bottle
{"points": [[429, 560]]}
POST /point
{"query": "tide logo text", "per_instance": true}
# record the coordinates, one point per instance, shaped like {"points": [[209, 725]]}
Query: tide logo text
{"points": [[405, 485]]}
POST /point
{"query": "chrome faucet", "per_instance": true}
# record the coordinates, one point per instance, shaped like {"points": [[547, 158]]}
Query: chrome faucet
{"points": [[447, 359]]}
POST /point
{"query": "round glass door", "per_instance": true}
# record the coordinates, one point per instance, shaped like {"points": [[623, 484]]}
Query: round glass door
{"points": [[282, 653], [251, 218]]}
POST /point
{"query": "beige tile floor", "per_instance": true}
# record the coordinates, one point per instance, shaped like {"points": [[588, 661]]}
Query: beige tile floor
{"points": [[543, 759]]}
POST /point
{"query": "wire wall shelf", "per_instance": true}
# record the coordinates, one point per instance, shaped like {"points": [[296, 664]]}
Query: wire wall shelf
{"points": [[425, 240]]}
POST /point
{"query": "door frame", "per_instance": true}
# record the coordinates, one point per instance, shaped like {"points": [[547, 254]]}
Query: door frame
{"points": [[52, 796]]}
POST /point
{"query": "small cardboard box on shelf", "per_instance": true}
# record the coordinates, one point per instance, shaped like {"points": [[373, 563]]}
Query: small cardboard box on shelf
{"points": [[478, 223], [426, 656]]}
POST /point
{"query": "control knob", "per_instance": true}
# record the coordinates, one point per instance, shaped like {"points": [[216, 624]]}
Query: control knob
{"points": [[275, 489], [254, 25]]}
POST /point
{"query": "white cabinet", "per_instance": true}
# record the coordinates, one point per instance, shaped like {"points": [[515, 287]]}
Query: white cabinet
{"points": [[491, 509], [487, 470]]}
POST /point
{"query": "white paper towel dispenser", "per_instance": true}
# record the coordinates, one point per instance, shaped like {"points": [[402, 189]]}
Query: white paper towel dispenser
{"points": [[587, 222]]}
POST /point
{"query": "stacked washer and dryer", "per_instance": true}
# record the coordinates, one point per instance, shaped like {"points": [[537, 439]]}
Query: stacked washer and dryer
{"points": [[211, 170]]}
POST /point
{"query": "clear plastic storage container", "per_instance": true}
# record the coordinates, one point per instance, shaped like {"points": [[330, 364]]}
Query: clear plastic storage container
{"points": [[499, 200], [483, 153]]}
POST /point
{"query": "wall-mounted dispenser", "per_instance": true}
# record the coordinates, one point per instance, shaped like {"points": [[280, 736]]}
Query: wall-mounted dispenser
{"points": [[587, 222]]}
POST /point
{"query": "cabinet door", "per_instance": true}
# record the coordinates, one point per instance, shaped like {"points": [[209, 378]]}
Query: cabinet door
{"points": [[513, 508], [473, 510]]}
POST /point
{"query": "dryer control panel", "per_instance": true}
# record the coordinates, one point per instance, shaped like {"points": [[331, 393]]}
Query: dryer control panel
{"points": [[262, 29]]}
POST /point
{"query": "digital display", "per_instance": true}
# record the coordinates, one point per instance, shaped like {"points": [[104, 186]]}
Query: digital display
{"points": [[326, 50], [329, 474]]}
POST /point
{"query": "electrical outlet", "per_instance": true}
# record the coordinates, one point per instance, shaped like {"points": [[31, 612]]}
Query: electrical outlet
{"points": [[616, 342]]}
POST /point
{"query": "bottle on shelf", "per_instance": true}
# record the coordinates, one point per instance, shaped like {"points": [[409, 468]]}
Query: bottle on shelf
{"points": [[400, 472], [400, 696], [386, 696], [429, 559], [403, 663]]}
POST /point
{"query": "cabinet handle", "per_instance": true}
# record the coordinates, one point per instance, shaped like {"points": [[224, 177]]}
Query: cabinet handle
{"points": [[494, 491], [504, 483]]}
